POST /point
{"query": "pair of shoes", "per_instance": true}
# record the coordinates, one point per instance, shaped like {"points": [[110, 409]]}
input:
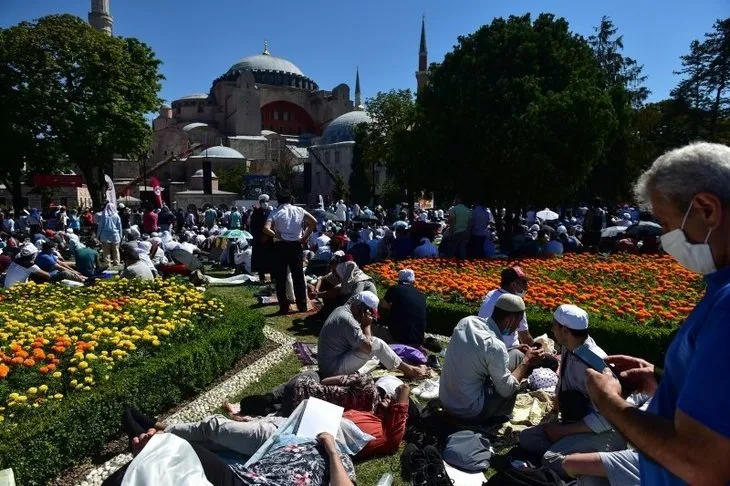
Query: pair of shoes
{"points": [[433, 362], [431, 470], [428, 390], [413, 460]]}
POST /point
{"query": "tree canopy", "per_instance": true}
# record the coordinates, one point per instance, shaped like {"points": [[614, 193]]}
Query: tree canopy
{"points": [[76, 93], [517, 113]]}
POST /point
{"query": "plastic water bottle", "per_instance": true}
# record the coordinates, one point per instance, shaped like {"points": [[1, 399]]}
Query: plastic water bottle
{"points": [[385, 480]]}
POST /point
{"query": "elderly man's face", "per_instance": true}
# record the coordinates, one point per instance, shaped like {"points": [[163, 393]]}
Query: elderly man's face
{"points": [[707, 216]]}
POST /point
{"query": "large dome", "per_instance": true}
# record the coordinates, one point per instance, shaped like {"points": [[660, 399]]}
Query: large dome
{"points": [[266, 62], [342, 128]]}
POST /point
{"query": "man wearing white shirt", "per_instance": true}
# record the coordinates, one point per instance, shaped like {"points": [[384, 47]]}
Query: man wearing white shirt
{"points": [[285, 225], [518, 341]]}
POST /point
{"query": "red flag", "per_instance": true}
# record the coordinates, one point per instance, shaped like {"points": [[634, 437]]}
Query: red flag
{"points": [[157, 190]]}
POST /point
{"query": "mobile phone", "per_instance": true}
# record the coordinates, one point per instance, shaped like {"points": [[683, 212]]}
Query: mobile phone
{"points": [[590, 358]]}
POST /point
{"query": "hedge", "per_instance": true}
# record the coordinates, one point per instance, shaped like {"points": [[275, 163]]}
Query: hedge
{"points": [[79, 426], [614, 337]]}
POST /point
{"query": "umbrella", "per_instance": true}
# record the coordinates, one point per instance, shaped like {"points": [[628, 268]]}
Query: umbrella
{"points": [[648, 228], [128, 200], [332, 217], [547, 215], [237, 234], [612, 231]]}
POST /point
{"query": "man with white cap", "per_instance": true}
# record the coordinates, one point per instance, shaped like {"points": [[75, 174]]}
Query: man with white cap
{"points": [[346, 342], [582, 428], [476, 384], [407, 304], [425, 249], [24, 266]]}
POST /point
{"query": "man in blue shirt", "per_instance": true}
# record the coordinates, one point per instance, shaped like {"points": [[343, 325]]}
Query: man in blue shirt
{"points": [[58, 270], [684, 436]]}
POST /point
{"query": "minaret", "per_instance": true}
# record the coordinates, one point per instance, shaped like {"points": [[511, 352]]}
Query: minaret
{"points": [[100, 18], [358, 94], [422, 73]]}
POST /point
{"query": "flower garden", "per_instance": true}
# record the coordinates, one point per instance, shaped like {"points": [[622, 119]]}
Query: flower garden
{"points": [[639, 289], [71, 359]]}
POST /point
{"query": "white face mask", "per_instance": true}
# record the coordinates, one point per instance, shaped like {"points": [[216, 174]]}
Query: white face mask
{"points": [[693, 256]]}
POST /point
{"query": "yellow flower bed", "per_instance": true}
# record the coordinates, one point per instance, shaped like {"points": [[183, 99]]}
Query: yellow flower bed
{"points": [[56, 341]]}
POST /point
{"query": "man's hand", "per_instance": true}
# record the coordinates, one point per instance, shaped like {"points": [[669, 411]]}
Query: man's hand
{"points": [[524, 348], [416, 372], [327, 441], [141, 440], [601, 385], [553, 431], [532, 356], [636, 372]]}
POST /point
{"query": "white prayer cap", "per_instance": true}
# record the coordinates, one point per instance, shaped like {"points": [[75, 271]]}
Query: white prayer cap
{"points": [[562, 230], [535, 227], [626, 216], [264, 197], [572, 317], [406, 276], [369, 299], [29, 249], [389, 384], [423, 217], [323, 240]]}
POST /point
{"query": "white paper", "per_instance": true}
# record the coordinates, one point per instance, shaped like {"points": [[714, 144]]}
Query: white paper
{"points": [[319, 416], [461, 478]]}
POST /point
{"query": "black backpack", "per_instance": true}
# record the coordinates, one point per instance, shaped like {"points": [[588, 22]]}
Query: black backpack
{"points": [[540, 476]]}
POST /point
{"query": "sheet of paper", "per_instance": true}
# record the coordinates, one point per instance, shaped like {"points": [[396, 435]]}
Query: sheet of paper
{"points": [[461, 478], [319, 416]]}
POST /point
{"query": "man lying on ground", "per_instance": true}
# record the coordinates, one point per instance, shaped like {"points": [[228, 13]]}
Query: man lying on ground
{"points": [[346, 342]]}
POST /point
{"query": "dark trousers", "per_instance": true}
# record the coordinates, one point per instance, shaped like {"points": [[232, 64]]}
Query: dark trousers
{"points": [[288, 255], [217, 472]]}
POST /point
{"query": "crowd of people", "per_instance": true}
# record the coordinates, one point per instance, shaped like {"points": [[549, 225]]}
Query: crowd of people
{"points": [[620, 420]]}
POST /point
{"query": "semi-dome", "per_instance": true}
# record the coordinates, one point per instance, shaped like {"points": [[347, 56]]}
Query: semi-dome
{"points": [[191, 126], [342, 128], [219, 152]]}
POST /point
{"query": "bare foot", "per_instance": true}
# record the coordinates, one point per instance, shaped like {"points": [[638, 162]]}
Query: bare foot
{"points": [[417, 372], [231, 408]]}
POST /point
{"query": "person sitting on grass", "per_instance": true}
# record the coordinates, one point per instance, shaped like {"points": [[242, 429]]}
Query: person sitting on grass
{"points": [[318, 460], [476, 385], [133, 266], [88, 261], [350, 282], [23, 267], [58, 270], [407, 304], [346, 342], [582, 428]]}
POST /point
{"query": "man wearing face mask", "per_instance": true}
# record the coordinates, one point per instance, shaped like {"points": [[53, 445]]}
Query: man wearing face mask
{"points": [[476, 385], [684, 436], [517, 341]]}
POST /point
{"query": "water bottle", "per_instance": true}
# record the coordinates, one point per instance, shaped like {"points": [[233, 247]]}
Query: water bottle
{"points": [[385, 480]]}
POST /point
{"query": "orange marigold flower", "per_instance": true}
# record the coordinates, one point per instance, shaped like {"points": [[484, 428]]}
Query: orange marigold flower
{"points": [[4, 370]]}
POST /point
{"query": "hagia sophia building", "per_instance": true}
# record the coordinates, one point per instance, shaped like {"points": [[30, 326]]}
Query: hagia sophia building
{"points": [[264, 111]]}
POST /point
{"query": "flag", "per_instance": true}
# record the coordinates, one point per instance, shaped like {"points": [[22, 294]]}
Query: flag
{"points": [[157, 190]]}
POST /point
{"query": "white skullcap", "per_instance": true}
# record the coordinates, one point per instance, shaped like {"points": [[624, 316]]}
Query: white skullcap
{"points": [[28, 249], [407, 275], [264, 197], [389, 384], [323, 240], [423, 217], [510, 303], [535, 227], [562, 230], [369, 299], [626, 216], [572, 317]]}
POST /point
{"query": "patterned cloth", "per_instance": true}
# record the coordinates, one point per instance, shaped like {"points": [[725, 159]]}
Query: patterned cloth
{"points": [[293, 464], [354, 392]]}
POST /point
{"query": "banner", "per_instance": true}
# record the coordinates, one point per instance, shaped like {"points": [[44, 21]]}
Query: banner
{"points": [[157, 190], [57, 180], [111, 192]]}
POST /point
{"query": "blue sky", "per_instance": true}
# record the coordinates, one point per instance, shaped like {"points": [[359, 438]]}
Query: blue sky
{"points": [[198, 41]]}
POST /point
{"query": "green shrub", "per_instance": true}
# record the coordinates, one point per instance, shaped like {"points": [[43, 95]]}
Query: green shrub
{"points": [[80, 425]]}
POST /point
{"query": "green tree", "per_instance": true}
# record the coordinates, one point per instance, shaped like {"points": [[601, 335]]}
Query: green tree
{"points": [[231, 180], [341, 190], [706, 86], [621, 162], [90, 92], [361, 180], [517, 113]]}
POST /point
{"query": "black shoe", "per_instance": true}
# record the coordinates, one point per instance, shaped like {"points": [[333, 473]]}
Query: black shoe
{"points": [[433, 362], [432, 344], [436, 471], [413, 461], [432, 475]]}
